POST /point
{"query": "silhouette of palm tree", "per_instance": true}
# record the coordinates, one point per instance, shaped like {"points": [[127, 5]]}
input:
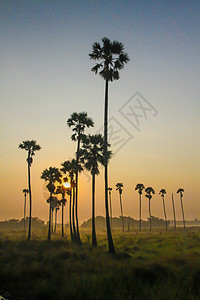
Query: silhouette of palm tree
{"points": [[162, 193], [31, 147], [181, 191], [110, 190], [57, 207], [149, 190], [63, 191], [78, 121], [140, 188], [119, 187], [51, 175], [112, 58], [25, 191], [91, 154], [72, 168]]}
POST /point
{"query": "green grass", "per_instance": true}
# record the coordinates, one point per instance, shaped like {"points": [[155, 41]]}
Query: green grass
{"points": [[158, 265]]}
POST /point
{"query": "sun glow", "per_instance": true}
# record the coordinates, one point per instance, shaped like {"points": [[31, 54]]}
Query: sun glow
{"points": [[66, 185]]}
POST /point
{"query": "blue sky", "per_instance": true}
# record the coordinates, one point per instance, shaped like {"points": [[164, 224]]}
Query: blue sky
{"points": [[45, 76]]}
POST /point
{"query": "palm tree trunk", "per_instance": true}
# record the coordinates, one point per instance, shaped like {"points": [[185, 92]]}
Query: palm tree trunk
{"points": [[182, 211], [73, 217], [121, 212], [94, 239], [70, 216], [25, 212], [140, 212], [49, 231], [76, 204], [62, 219], [109, 234], [52, 220], [164, 212], [110, 210], [149, 214], [174, 211], [55, 221], [30, 200]]}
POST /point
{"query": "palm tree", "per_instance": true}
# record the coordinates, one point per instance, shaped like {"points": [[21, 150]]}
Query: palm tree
{"points": [[25, 191], [110, 190], [61, 189], [78, 121], [174, 211], [111, 59], [51, 175], [31, 147], [91, 154], [162, 193], [148, 192], [140, 187], [72, 168], [119, 187], [180, 191]]}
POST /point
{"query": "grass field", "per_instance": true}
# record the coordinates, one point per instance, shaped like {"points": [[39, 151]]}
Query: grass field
{"points": [[157, 265]]}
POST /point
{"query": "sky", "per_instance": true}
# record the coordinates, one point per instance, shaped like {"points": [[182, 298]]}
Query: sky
{"points": [[154, 125]]}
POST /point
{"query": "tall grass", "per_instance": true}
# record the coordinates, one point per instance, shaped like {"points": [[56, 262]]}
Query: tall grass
{"points": [[160, 265]]}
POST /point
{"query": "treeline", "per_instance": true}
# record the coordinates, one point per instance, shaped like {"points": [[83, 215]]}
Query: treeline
{"points": [[129, 222], [19, 224]]}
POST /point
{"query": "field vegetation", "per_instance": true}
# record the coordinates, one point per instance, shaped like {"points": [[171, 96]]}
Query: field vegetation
{"points": [[157, 265]]}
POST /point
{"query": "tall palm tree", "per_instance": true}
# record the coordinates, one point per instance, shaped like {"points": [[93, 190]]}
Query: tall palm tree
{"points": [[140, 187], [51, 175], [111, 59], [31, 147], [180, 191], [25, 191], [61, 189], [72, 168], [110, 190], [119, 187], [78, 121], [91, 154], [174, 211], [162, 193], [149, 190]]}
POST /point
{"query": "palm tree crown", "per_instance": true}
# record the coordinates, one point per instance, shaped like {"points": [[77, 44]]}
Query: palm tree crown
{"points": [[180, 190], [71, 167], [79, 121], [25, 191], [162, 192], [119, 187], [52, 175], [31, 147], [111, 56], [140, 187], [148, 191]]}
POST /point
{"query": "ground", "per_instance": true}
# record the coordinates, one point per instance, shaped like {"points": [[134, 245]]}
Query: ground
{"points": [[157, 265]]}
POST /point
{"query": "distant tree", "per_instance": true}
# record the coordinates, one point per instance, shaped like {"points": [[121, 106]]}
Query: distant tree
{"points": [[140, 187], [181, 191], [51, 175], [149, 190], [111, 59], [110, 191], [31, 147], [72, 168], [61, 189], [78, 122], [25, 191], [162, 193], [119, 187], [92, 154]]}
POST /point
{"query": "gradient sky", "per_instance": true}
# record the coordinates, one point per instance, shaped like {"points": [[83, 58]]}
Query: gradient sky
{"points": [[45, 75]]}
